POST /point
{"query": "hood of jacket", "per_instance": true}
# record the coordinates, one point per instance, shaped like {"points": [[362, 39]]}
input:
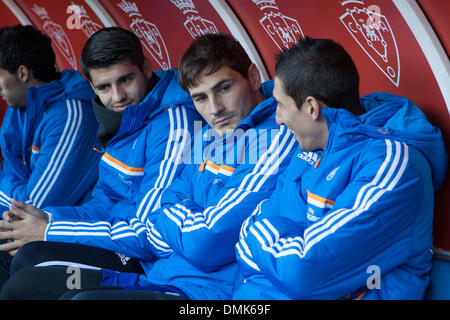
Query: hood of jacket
{"points": [[70, 85], [264, 109], [391, 116], [165, 94], [39, 98]]}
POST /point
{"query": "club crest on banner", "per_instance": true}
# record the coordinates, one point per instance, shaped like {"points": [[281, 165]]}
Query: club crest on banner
{"points": [[194, 24], [148, 33], [88, 26], [80, 20], [284, 31], [372, 32], [58, 36]]}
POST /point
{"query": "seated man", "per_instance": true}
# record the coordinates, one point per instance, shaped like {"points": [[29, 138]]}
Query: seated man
{"points": [[48, 132], [47, 138], [187, 246], [146, 123], [354, 220]]}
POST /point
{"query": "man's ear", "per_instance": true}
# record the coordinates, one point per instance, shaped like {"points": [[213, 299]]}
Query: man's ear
{"points": [[254, 77], [313, 107], [147, 68], [23, 74]]}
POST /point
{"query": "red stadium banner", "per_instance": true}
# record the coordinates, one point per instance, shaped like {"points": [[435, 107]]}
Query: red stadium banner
{"points": [[437, 13], [68, 23], [380, 42], [166, 28]]}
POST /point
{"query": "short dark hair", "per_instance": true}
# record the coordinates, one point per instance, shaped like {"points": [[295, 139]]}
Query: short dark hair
{"points": [[109, 46], [25, 45], [320, 68], [209, 53]]}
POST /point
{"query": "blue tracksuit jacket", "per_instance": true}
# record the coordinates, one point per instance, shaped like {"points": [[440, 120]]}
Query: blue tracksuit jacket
{"points": [[187, 246], [354, 220], [137, 165], [48, 146]]}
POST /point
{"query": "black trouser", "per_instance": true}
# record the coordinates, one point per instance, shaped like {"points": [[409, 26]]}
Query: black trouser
{"points": [[48, 283], [110, 293], [29, 282], [57, 253], [73, 280], [5, 264]]}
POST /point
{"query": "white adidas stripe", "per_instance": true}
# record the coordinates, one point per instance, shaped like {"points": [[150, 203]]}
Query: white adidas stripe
{"points": [[300, 247], [60, 154], [169, 166], [171, 132], [56, 154], [360, 194], [4, 199], [154, 237], [66, 154], [214, 213], [245, 256], [176, 157], [265, 172]]}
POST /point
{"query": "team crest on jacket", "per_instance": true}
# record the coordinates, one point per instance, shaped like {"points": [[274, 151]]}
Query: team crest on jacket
{"points": [[332, 174], [283, 30], [58, 36], [194, 24], [148, 33], [372, 32]]}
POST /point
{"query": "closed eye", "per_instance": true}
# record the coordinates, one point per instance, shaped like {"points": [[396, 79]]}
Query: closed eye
{"points": [[199, 98]]}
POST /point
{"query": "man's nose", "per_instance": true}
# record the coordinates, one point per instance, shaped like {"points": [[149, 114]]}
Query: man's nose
{"points": [[215, 105], [119, 94]]}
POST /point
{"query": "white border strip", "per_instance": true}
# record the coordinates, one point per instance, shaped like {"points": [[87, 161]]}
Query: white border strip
{"points": [[101, 13], [429, 43], [239, 32], [23, 19], [66, 264]]}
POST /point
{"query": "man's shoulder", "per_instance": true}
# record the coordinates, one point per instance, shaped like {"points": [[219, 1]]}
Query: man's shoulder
{"points": [[64, 107], [182, 114]]}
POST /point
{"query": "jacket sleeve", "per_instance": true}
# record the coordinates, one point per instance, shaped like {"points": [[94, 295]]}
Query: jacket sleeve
{"points": [[123, 228], [8, 180], [63, 166], [168, 151], [196, 232], [98, 208], [370, 224]]}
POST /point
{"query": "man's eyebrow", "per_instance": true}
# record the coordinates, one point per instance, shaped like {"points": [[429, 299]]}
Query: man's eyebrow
{"points": [[196, 95], [213, 89], [102, 84]]}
